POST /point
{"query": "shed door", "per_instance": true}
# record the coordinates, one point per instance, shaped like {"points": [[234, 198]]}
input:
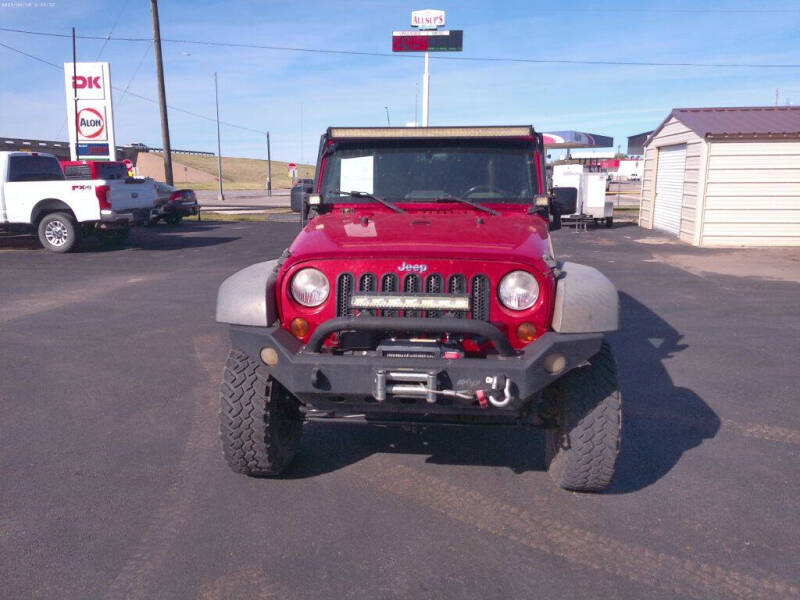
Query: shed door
{"points": [[669, 188]]}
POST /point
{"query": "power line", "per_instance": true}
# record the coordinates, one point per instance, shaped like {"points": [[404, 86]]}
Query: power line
{"points": [[113, 27], [558, 61], [135, 73], [145, 98], [674, 10]]}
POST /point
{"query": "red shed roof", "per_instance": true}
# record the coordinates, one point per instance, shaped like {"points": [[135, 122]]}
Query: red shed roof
{"points": [[738, 122]]}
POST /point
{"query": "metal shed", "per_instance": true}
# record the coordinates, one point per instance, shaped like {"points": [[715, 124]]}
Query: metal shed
{"points": [[724, 176]]}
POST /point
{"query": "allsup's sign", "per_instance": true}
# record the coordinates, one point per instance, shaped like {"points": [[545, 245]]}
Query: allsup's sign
{"points": [[427, 18], [93, 122]]}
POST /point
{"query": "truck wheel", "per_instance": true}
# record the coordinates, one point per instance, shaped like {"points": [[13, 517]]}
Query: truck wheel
{"points": [[260, 421], [58, 232], [173, 219], [609, 222], [581, 454]]}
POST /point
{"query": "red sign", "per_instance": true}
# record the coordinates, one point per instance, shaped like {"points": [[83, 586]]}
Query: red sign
{"points": [[291, 166], [81, 82], [90, 123], [409, 43]]}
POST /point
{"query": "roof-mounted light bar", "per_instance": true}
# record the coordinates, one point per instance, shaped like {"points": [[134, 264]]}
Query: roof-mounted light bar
{"points": [[430, 132]]}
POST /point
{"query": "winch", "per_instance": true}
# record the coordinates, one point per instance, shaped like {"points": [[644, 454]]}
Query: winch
{"points": [[402, 383]]}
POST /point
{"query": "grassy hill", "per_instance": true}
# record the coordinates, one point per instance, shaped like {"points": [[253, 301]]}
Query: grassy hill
{"points": [[240, 173]]}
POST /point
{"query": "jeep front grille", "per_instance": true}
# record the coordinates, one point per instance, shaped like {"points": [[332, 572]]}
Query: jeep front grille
{"points": [[479, 290], [344, 289], [433, 285], [389, 284], [411, 284], [479, 297]]}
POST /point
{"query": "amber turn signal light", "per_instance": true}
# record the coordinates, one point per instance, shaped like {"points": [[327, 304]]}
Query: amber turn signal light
{"points": [[299, 327], [526, 332]]}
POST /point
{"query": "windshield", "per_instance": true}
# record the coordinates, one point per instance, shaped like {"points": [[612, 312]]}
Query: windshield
{"points": [[111, 170], [424, 171]]}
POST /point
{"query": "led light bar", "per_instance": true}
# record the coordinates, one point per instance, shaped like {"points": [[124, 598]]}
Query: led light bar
{"points": [[430, 132], [410, 302]]}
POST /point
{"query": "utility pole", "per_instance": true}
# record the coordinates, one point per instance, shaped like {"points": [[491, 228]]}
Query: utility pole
{"points": [[388, 122], [426, 82], [75, 91], [162, 94], [220, 195], [269, 169], [776, 96]]}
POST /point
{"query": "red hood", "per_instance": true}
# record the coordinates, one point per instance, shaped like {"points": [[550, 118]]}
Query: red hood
{"points": [[435, 233]]}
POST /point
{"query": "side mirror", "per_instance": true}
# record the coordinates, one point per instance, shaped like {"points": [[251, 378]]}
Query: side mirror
{"points": [[310, 201]]}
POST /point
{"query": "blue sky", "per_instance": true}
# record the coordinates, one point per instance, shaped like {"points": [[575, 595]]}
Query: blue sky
{"points": [[297, 95]]}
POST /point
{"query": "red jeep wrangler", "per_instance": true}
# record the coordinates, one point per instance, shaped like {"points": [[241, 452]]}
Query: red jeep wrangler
{"points": [[424, 290]]}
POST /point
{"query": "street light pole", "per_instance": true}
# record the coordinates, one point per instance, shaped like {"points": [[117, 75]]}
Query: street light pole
{"points": [[220, 196], [162, 94]]}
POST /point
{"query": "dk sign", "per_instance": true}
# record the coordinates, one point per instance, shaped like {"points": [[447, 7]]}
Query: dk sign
{"points": [[93, 123]]}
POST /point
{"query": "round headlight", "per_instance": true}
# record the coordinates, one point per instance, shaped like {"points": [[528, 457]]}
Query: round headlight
{"points": [[518, 290], [310, 287]]}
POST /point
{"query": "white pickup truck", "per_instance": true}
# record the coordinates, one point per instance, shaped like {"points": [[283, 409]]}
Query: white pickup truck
{"points": [[35, 195]]}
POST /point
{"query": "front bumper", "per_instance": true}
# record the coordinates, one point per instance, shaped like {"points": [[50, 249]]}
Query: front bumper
{"points": [[352, 383]]}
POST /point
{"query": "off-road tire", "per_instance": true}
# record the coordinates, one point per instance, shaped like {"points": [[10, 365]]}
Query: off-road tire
{"points": [[260, 421], [173, 219], [58, 232], [581, 453]]}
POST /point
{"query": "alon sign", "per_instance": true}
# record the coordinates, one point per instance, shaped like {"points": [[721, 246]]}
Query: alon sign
{"points": [[91, 123], [91, 83]]}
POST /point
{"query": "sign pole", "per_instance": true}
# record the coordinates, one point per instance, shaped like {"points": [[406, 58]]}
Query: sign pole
{"points": [[269, 169], [427, 38], [75, 92], [220, 196], [426, 81]]}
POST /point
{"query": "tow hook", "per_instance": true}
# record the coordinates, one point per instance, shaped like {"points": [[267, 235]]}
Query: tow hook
{"points": [[498, 395]]}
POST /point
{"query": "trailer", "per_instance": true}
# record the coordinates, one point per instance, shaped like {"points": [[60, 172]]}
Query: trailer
{"points": [[591, 193], [590, 183]]}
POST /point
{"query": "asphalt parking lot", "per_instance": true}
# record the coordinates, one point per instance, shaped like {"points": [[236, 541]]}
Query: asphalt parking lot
{"points": [[114, 485]]}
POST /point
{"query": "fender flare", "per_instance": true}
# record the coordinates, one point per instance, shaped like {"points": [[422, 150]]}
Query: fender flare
{"points": [[47, 205], [248, 296], [586, 301]]}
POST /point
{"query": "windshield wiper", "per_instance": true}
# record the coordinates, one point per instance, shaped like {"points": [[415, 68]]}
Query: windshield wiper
{"points": [[368, 196], [467, 202]]}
